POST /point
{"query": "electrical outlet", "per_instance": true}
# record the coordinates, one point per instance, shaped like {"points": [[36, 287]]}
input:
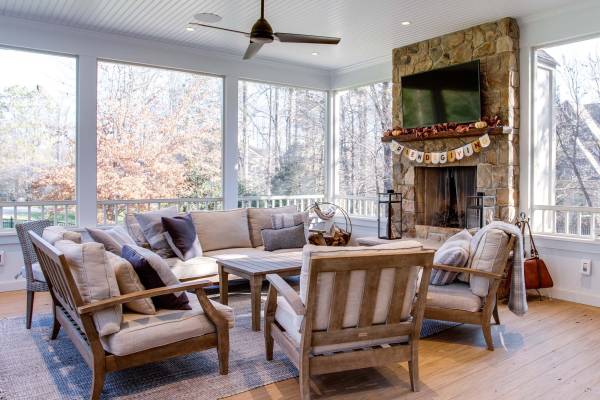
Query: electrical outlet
{"points": [[586, 267], [2, 257]]}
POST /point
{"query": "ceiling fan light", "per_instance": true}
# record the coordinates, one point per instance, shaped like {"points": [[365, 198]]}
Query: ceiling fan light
{"points": [[406, 23], [314, 53], [207, 17], [190, 28]]}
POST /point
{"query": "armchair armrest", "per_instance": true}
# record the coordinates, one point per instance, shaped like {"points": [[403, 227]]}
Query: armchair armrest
{"points": [[126, 298], [288, 293], [485, 274]]}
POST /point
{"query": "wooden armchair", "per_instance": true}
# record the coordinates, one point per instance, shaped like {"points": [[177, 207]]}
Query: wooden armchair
{"points": [[352, 300], [457, 303], [75, 317]]}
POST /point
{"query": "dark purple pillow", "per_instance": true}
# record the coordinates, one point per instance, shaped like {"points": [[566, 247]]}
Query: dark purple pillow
{"points": [[181, 232], [151, 280]]}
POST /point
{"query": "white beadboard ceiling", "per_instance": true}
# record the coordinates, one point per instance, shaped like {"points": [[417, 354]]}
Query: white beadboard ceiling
{"points": [[369, 29]]}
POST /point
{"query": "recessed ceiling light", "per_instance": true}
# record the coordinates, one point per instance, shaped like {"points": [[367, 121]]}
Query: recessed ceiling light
{"points": [[189, 28], [208, 17], [314, 53], [405, 23]]}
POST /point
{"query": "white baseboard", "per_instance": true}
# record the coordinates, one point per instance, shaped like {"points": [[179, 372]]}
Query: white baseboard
{"points": [[12, 285], [576, 296]]}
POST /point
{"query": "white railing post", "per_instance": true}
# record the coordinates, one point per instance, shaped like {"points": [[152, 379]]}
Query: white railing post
{"points": [[230, 142]]}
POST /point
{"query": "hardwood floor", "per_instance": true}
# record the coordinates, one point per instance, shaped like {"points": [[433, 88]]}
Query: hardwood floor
{"points": [[551, 353]]}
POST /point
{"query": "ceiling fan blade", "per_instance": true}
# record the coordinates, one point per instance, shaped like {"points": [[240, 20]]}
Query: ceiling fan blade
{"points": [[218, 27], [252, 49], [297, 38]]}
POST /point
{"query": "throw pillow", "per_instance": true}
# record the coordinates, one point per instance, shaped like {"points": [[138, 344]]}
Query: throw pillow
{"points": [[280, 221], [154, 272], [222, 229], [135, 231], [286, 238], [260, 218], [454, 252], [181, 236], [95, 281], [52, 234], [113, 239], [488, 257], [152, 227], [129, 282]]}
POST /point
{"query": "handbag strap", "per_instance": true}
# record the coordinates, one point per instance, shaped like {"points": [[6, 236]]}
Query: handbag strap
{"points": [[523, 223]]}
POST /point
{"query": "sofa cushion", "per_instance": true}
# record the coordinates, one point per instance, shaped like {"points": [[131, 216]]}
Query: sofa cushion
{"points": [[95, 280], [113, 238], [181, 236], [154, 232], [222, 229], [357, 281], [260, 218], [284, 238], [457, 296], [194, 268], [52, 234], [129, 282], [154, 272], [454, 252], [236, 252], [142, 332], [488, 256], [292, 323]]}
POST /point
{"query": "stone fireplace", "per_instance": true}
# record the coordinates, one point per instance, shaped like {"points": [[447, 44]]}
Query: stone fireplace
{"points": [[435, 199]]}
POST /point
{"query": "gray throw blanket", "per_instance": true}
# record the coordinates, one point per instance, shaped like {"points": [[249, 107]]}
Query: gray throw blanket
{"points": [[517, 302]]}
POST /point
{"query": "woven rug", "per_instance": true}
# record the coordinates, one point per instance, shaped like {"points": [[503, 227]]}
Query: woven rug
{"points": [[34, 367]]}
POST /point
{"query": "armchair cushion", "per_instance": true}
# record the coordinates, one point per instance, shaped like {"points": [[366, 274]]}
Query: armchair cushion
{"points": [[143, 332], [357, 281], [260, 218], [488, 256], [287, 318], [457, 296], [95, 280], [52, 234], [222, 229]]}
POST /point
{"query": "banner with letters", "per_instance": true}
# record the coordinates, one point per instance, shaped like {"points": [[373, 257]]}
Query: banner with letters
{"points": [[441, 157]]}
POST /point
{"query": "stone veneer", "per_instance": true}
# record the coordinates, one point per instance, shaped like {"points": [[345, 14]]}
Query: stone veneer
{"points": [[496, 45]]}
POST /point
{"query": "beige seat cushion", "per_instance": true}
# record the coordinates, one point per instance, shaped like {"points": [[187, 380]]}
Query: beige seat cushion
{"points": [[260, 218], [489, 256], [236, 252], [456, 296], [142, 332], [222, 229], [357, 281], [194, 268], [292, 324]]}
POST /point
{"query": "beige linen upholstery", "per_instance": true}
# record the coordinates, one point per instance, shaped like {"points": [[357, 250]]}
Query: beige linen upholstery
{"points": [[142, 332], [129, 282], [457, 296], [260, 218], [194, 268], [236, 252], [222, 229], [287, 318], [357, 281], [95, 280], [489, 256], [54, 233]]}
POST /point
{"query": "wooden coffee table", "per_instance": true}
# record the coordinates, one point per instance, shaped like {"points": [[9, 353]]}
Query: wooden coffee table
{"points": [[254, 269]]}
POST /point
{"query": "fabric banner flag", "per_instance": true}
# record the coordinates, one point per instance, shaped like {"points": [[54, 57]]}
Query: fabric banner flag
{"points": [[412, 155], [451, 156], [485, 140], [420, 156], [459, 153], [476, 146], [435, 158], [443, 157], [427, 158], [468, 150]]}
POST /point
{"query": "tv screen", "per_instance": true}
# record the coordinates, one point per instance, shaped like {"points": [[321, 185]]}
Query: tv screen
{"points": [[448, 94]]}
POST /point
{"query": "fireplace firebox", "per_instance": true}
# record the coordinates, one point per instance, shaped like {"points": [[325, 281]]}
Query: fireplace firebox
{"points": [[441, 195]]}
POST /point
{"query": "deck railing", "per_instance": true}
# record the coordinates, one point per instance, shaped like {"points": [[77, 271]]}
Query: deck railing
{"points": [[60, 212], [301, 201], [579, 222], [358, 205]]}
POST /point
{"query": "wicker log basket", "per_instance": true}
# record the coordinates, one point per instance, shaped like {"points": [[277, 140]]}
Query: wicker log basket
{"points": [[330, 225]]}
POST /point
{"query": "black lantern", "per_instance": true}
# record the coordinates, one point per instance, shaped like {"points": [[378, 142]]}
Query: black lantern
{"points": [[480, 210], [389, 205]]}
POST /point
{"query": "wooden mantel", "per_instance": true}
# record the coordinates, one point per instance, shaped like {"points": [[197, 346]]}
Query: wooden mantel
{"points": [[449, 134]]}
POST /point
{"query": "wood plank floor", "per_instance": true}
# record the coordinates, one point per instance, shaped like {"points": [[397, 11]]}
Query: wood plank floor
{"points": [[551, 353]]}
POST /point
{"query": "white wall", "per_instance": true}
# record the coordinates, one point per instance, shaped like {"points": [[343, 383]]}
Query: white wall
{"points": [[563, 256]]}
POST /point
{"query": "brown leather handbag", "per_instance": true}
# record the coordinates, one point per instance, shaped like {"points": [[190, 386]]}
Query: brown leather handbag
{"points": [[537, 275]]}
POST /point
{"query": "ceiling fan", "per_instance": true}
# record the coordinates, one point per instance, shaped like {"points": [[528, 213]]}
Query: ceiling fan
{"points": [[262, 33]]}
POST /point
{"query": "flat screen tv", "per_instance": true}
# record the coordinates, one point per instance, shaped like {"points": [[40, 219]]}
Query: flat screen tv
{"points": [[449, 94]]}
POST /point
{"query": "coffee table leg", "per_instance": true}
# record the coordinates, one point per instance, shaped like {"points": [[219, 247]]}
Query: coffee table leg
{"points": [[255, 291], [223, 286]]}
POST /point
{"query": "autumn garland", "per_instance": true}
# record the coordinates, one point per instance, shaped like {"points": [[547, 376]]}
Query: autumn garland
{"points": [[443, 157]]}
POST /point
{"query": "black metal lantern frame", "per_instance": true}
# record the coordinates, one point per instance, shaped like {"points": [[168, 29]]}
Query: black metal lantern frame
{"points": [[388, 204], [480, 208]]}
